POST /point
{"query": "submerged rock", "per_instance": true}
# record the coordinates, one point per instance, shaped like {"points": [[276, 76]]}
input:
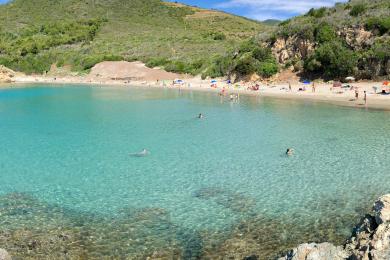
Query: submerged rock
{"points": [[4, 255], [235, 201], [313, 251]]}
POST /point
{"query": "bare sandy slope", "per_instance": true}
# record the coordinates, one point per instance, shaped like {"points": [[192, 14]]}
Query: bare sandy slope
{"points": [[123, 70]]}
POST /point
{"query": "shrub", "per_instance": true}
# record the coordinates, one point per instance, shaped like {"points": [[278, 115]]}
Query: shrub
{"points": [[156, 62], [216, 36], [267, 69], [324, 33], [306, 32], [219, 36], [90, 61], [184, 67], [382, 24], [286, 22], [332, 59], [381, 50], [247, 46], [317, 13], [357, 10], [246, 65], [262, 54]]}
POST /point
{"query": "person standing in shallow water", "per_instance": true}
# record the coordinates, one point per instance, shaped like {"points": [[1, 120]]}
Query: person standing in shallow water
{"points": [[200, 116]]}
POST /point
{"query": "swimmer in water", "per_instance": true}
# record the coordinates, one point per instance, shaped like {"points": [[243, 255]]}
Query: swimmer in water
{"points": [[143, 153], [200, 116], [290, 151]]}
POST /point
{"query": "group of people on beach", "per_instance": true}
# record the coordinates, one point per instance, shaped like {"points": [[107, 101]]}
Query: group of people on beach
{"points": [[364, 96]]}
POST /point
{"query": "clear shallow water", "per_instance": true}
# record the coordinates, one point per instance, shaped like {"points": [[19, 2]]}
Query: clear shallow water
{"points": [[68, 150]]}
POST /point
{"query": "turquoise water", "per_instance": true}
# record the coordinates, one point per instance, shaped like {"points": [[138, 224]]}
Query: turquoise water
{"points": [[68, 150]]}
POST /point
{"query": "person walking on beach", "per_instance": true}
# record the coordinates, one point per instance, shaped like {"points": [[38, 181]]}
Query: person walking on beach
{"points": [[313, 88], [356, 94], [289, 87], [365, 98]]}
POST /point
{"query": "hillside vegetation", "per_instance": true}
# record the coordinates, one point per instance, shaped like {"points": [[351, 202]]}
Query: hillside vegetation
{"points": [[37, 33], [348, 39]]}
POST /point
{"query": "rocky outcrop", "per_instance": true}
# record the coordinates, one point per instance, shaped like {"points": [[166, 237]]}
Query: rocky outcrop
{"points": [[4, 255], [382, 209], [6, 75], [370, 240], [313, 251], [292, 48], [357, 37]]}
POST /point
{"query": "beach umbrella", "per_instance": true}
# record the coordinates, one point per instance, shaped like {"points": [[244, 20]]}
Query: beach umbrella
{"points": [[386, 83], [213, 81], [350, 78], [306, 82]]}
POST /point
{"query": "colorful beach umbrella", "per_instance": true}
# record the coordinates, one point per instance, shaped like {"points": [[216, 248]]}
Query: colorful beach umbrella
{"points": [[213, 81], [386, 83], [306, 82]]}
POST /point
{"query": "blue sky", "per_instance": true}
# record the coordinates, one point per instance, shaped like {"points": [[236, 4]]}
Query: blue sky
{"points": [[260, 9]]}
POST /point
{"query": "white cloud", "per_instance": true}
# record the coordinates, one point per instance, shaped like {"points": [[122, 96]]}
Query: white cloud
{"points": [[281, 9]]}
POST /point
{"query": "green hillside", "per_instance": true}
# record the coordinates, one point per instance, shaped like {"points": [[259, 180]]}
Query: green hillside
{"points": [[350, 38], [37, 33]]}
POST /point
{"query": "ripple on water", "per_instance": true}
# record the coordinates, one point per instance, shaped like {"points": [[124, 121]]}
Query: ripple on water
{"points": [[210, 188], [31, 229]]}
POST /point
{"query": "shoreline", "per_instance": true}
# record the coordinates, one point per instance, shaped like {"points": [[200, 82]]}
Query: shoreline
{"points": [[324, 92]]}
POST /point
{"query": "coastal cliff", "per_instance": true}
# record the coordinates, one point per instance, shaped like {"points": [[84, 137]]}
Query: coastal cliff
{"points": [[370, 239]]}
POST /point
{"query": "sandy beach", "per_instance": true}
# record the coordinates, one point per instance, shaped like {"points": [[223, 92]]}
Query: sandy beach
{"points": [[324, 92]]}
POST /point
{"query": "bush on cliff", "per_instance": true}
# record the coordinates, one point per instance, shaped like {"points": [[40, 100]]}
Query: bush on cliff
{"points": [[382, 24], [333, 60], [357, 10], [324, 33], [250, 57]]}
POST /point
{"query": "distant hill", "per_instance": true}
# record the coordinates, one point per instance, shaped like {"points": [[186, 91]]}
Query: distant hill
{"points": [[37, 33], [271, 22]]}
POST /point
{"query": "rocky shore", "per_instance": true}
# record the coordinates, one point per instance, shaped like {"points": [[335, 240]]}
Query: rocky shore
{"points": [[6, 75], [370, 240], [4, 255]]}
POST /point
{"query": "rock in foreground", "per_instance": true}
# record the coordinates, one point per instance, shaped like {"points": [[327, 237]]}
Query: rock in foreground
{"points": [[4, 255], [313, 251], [370, 240]]}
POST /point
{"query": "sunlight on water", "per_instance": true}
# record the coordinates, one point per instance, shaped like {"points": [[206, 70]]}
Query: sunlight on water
{"points": [[217, 186]]}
